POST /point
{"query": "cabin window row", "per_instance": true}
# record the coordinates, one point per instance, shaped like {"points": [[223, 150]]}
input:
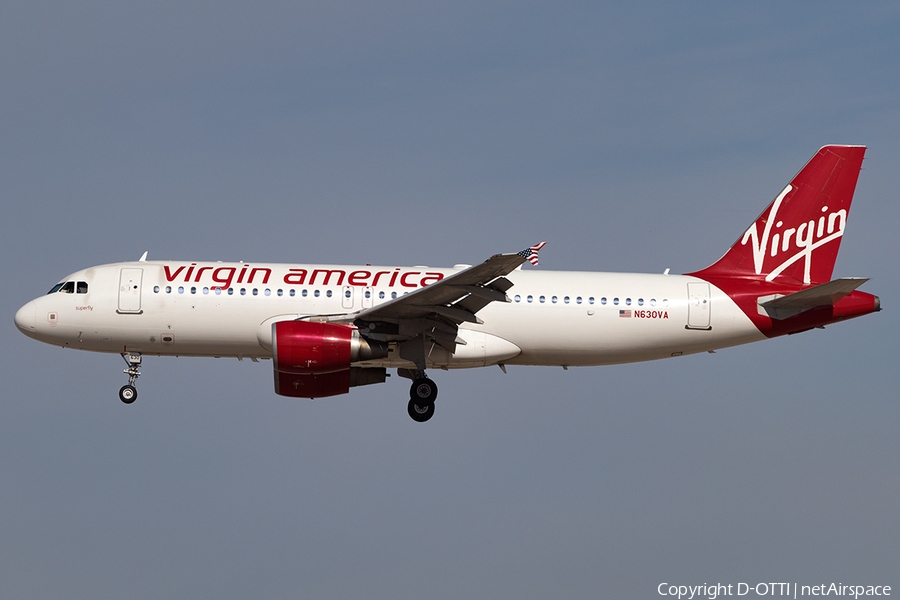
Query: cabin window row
{"points": [[256, 292], [590, 300]]}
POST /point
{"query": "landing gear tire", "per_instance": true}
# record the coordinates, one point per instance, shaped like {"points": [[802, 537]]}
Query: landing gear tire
{"points": [[419, 411], [128, 394], [423, 391]]}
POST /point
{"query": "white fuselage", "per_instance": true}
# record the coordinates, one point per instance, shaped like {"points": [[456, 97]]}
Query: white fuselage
{"points": [[227, 309]]}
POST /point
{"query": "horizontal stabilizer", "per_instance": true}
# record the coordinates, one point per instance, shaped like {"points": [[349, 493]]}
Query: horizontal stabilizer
{"points": [[827, 294]]}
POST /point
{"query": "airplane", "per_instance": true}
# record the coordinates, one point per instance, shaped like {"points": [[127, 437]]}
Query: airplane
{"points": [[328, 328]]}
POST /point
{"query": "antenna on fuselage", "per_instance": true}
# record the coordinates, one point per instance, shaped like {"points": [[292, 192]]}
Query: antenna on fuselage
{"points": [[143, 257]]}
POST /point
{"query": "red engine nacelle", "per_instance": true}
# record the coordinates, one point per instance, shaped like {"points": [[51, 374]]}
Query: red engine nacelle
{"points": [[312, 360], [305, 348], [312, 386], [328, 384]]}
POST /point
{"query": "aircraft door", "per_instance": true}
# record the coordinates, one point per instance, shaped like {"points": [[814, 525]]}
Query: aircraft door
{"points": [[698, 305], [130, 290]]}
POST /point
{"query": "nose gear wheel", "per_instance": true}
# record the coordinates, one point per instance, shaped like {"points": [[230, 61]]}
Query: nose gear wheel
{"points": [[128, 393]]}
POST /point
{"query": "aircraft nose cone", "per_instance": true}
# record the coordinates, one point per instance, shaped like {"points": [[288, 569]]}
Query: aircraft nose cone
{"points": [[25, 319]]}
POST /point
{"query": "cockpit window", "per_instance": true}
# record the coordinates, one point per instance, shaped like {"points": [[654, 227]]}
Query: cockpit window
{"points": [[70, 287]]}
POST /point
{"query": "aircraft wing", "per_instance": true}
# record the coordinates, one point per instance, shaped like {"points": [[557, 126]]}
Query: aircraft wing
{"points": [[457, 297], [433, 313]]}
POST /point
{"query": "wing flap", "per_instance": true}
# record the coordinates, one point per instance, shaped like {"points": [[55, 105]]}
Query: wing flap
{"points": [[482, 295]]}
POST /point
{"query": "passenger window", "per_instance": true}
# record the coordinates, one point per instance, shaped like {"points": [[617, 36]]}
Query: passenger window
{"points": [[155, 289], [393, 295], [303, 293], [347, 294], [328, 293], [180, 289], [381, 295], [268, 292], [541, 299], [280, 293], [603, 300], [205, 291], [530, 298], [616, 301], [591, 300], [518, 298], [81, 287], [316, 293], [218, 291], [193, 290], [640, 301], [231, 291], [578, 300], [293, 293], [243, 291], [255, 292], [652, 301], [566, 299], [627, 301], [168, 289], [553, 299]]}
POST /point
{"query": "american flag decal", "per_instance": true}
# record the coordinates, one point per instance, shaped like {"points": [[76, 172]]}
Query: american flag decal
{"points": [[532, 253], [625, 314]]}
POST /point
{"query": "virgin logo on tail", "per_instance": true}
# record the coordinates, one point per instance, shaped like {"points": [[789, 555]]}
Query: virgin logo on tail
{"points": [[797, 238], [801, 240]]}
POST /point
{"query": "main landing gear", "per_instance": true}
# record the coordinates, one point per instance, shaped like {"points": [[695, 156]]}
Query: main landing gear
{"points": [[422, 395], [128, 393]]}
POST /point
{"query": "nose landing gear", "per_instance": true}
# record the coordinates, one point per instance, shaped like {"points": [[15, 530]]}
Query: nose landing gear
{"points": [[128, 393]]}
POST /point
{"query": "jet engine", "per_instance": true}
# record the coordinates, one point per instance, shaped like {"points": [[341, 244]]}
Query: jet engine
{"points": [[312, 360]]}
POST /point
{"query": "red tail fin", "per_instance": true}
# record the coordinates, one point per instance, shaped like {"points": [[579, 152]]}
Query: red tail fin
{"points": [[796, 239]]}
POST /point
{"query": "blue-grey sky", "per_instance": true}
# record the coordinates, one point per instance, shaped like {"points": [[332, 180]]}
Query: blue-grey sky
{"points": [[632, 137]]}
